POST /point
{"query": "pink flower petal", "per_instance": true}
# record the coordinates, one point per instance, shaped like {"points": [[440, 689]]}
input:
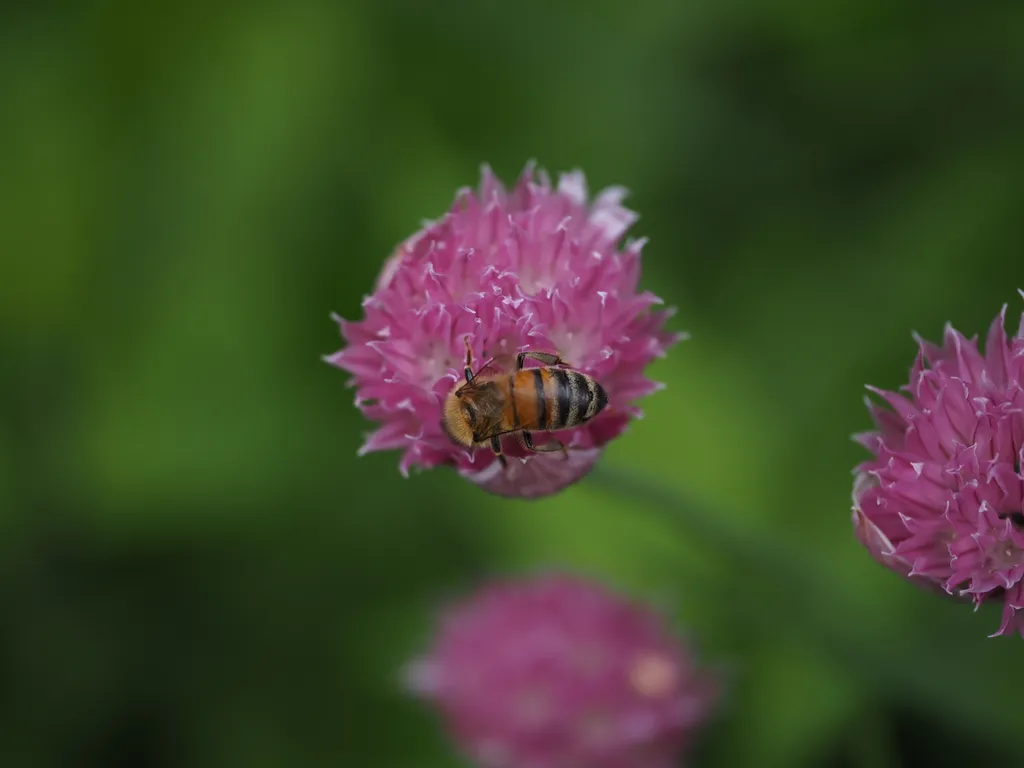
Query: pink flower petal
{"points": [[556, 670], [942, 501]]}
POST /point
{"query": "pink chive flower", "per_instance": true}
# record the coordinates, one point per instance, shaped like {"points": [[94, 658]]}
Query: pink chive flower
{"points": [[942, 501], [558, 672], [535, 268]]}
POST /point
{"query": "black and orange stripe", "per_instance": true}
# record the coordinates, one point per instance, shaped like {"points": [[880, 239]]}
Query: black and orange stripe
{"points": [[551, 398]]}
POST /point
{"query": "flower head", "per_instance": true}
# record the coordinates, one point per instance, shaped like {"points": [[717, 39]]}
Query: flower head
{"points": [[535, 268], [559, 672], [942, 501]]}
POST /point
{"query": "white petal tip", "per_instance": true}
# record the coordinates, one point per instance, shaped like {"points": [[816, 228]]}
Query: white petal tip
{"points": [[420, 677]]}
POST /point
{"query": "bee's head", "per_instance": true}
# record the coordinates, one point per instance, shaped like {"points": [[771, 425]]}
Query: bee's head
{"points": [[458, 420]]}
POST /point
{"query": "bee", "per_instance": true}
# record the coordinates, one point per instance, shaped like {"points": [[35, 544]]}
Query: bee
{"points": [[547, 398]]}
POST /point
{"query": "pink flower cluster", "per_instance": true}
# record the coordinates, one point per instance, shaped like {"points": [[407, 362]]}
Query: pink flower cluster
{"points": [[942, 501], [559, 672], [535, 268]]}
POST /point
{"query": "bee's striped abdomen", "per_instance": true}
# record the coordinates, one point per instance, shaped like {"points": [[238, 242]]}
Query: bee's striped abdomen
{"points": [[566, 398]]}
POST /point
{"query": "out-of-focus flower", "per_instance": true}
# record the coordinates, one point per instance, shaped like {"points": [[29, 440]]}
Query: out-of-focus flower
{"points": [[559, 672], [941, 501], [535, 268]]}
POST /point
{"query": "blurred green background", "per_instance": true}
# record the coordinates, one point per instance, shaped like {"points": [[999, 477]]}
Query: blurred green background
{"points": [[195, 568]]}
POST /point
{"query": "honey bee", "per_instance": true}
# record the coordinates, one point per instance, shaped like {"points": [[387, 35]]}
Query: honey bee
{"points": [[492, 403]]}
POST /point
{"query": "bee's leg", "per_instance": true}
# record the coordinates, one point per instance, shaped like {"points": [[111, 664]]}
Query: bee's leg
{"points": [[544, 357], [496, 447], [468, 370], [554, 445]]}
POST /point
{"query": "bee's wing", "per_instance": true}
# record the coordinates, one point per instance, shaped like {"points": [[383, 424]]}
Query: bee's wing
{"points": [[497, 366]]}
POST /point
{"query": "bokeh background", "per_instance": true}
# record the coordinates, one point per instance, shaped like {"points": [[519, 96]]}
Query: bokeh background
{"points": [[195, 568]]}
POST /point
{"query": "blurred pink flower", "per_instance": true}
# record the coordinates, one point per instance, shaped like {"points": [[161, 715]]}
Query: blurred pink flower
{"points": [[559, 672], [537, 268], [942, 502]]}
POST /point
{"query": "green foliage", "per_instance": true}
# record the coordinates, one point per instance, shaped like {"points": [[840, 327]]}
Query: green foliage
{"points": [[195, 568]]}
